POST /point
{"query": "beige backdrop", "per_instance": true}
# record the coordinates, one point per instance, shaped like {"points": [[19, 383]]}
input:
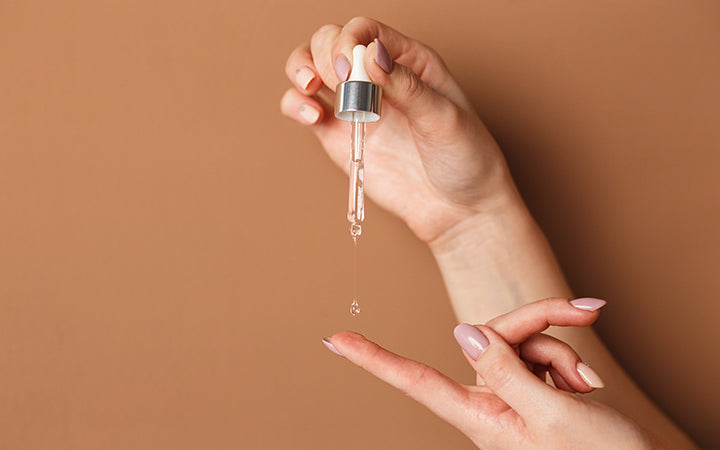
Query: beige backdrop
{"points": [[172, 249]]}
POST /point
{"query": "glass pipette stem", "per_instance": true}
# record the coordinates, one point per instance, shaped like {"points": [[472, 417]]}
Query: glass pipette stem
{"points": [[356, 207]]}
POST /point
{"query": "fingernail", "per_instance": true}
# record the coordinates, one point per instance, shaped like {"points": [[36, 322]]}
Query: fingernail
{"points": [[331, 347], [309, 114], [382, 57], [303, 76], [471, 340], [590, 376], [588, 304], [342, 67]]}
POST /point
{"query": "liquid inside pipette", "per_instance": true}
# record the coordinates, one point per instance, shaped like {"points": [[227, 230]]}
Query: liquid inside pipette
{"points": [[356, 207]]}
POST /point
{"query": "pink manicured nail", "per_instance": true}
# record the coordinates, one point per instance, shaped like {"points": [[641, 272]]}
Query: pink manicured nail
{"points": [[471, 340], [382, 57], [590, 376], [342, 67], [303, 76], [309, 114], [331, 347], [588, 304]]}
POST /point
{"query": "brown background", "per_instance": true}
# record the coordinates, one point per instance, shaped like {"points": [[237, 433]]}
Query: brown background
{"points": [[172, 249]]}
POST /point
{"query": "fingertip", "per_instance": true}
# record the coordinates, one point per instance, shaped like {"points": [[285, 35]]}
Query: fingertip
{"points": [[471, 340], [499, 347], [301, 71], [286, 100], [354, 346], [589, 376], [583, 311], [560, 382], [309, 114], [588, 303], [331, 347], [301, 108], [307, 80], [347, 338], [376, 73], [382, 57], [342, 65], [491, 335], [342, 55]]}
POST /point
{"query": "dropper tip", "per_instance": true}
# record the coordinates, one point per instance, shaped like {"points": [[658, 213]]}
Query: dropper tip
{"points": [[355, 231]]}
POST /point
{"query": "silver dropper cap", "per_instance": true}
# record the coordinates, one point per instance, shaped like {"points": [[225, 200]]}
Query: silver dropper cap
{"points": [[358, 99]]}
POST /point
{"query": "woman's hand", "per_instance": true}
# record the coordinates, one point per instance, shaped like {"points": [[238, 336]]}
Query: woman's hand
{"points": [[430, 160], [512, 406]]}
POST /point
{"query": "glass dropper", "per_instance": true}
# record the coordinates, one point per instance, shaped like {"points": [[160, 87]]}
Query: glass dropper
{"points": [[356, 206]]}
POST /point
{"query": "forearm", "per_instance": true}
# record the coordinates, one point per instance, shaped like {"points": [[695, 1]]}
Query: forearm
{"points": [[494, 262]]}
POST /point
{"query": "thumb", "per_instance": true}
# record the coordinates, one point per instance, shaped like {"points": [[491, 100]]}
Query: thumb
{"points": [[503, 371], [404, 89]]}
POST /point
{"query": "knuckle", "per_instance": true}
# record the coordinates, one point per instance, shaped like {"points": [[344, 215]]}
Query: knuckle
{"points": [[429, 62], [553, 302], [554, 309], [294, 56], [325, 29], [550, 306], [414, 87], [372, 351], [453, 116], [555, 417], [498, 377], [360, 21], [321, 32], [433, 53], [286, 102], [434, 58], [496, 373], [418, 377]]}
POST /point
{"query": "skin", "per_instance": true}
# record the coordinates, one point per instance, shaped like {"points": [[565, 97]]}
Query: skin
{"points": [[511, 406], [432, 162]]}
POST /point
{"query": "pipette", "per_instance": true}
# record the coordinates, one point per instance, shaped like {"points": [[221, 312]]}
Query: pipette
{"points": [[358, 101]]}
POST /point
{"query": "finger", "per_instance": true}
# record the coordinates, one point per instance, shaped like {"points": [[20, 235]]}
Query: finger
{"points": [[406, 91], [417, 57], [540, 372], [437, 392], [320, 47], [504, 373], [301, 71], [516, 326], [551, 352], [559, 381], [306, 110]]}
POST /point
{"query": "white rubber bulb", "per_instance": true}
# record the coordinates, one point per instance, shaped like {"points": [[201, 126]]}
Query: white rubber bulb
{"points": [[358, 68]]}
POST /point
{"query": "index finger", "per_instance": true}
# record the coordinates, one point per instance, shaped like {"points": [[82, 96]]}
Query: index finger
{"points": [[518, 325], [440, 394]]}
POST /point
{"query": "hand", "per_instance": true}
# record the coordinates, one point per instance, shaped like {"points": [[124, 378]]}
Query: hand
{"points": [[430, 159], [512, 406]]}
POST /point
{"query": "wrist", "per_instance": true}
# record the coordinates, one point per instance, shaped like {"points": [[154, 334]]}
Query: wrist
{"points": [[496, 260], [504, 209]]}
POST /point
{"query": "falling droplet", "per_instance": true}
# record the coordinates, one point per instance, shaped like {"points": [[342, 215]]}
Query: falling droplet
{"points": [[355, 308]]}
